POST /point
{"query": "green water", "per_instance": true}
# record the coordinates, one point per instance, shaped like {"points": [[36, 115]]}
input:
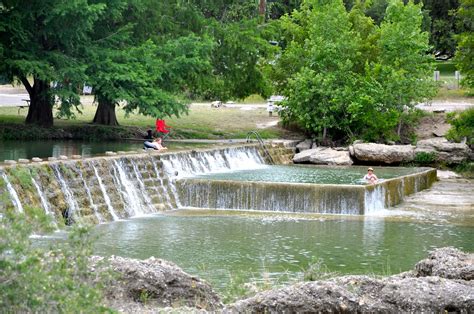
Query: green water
{"points": [[221, 249], [14, 150], [352, 175]]}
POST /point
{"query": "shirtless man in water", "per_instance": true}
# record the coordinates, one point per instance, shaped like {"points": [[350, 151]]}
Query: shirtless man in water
{"points": [[370, 177]]}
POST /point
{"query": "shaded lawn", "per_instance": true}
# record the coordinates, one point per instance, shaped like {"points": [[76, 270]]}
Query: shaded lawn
{"points": [[201, 122]]}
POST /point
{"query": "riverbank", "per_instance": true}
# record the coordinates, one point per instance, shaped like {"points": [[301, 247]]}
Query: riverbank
{"points": [[442, 282]]}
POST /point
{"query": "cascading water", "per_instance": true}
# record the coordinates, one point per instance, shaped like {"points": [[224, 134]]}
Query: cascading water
{"points": [[105, 195], [230, 159], [128, 190], [46, 208], [15, 199], [71, 201], [113, 188], [99, 217]]}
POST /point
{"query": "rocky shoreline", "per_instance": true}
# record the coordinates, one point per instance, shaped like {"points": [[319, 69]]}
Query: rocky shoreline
{"points": [[433, 150], [440, 283]]}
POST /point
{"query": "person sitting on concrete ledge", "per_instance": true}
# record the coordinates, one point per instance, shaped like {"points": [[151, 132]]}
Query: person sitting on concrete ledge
{"points": [[156, 144]]}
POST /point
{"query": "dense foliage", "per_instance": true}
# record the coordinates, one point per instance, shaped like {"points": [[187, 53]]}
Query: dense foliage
{"points": [[465, 53], [462, 126], [36, 280], [351, 78]]}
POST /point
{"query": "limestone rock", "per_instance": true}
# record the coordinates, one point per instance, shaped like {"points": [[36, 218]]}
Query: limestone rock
{"points": [[380, 153], [36, 159], [76, 156], [323, 156], [23, 161], [62, 157], [439, 284], [285, 143], [52, 159], [159, 282], [446, 151], [10, 162], [305, 145], [448, 263], [329, 156], [303, 156], [108, 153], [362, 294]]}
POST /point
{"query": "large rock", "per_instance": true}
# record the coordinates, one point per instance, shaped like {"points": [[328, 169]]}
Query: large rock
{"points": [[380, 153], [323, 156], [451, 153], [448, 263], [427, 289], [363, 294], [304, 145], [153, 283]]}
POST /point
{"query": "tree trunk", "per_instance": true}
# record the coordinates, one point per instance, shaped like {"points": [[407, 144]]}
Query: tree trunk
{"points": [[262, 8], [105, 113], [40, 111]]}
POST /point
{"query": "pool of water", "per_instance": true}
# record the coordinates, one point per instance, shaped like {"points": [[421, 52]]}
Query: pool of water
{"points": [[352, 175], [277, 248], [14, 150]]}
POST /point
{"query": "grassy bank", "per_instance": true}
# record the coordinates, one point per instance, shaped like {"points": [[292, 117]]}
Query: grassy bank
{"points": [[201, 122]]}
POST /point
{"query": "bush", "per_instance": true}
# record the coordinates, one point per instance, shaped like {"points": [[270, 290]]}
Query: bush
{"points": [[423, 158], [38, 280], [462, 126]]}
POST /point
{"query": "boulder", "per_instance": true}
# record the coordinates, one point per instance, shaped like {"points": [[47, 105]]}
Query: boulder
{"points": [[451, 153], [448, 263], [303, 156], [152, 282], [323, 156], [380, 153], [437, 285], [329, 156], [305, 145]]}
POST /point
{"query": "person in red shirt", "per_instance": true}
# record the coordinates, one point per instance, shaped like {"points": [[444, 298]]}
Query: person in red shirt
{"points": [[162, 128]]}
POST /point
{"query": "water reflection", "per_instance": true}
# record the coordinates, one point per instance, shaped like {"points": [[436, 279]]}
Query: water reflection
{"points": [[14, 150], [215, 246]]}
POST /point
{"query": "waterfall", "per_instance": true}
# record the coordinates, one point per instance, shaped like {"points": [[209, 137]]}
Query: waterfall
{"points": [[15, 199], [189, 164], [99, 217], [44, 202], [375, 199], [141, 185], [165, 189], [105, 195], [117, 187], [69, 196]]}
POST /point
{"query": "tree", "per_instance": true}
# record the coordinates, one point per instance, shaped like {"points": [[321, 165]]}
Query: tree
{"points": [[325, 49], [42, 43], [405, 67], [465, 50], [349, 78], [140, 74]]}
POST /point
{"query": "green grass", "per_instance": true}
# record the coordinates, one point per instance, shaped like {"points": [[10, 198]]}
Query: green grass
{"points": [[202, 122]]}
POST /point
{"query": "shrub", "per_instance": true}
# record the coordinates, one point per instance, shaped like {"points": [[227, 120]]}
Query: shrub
{"points": [[424, 158], [45, 280], [462, 126]]}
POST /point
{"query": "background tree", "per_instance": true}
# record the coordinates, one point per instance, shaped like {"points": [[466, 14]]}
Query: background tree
{"points": [[140, 74], [465, 50], [348, 78], [42, 43]]}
